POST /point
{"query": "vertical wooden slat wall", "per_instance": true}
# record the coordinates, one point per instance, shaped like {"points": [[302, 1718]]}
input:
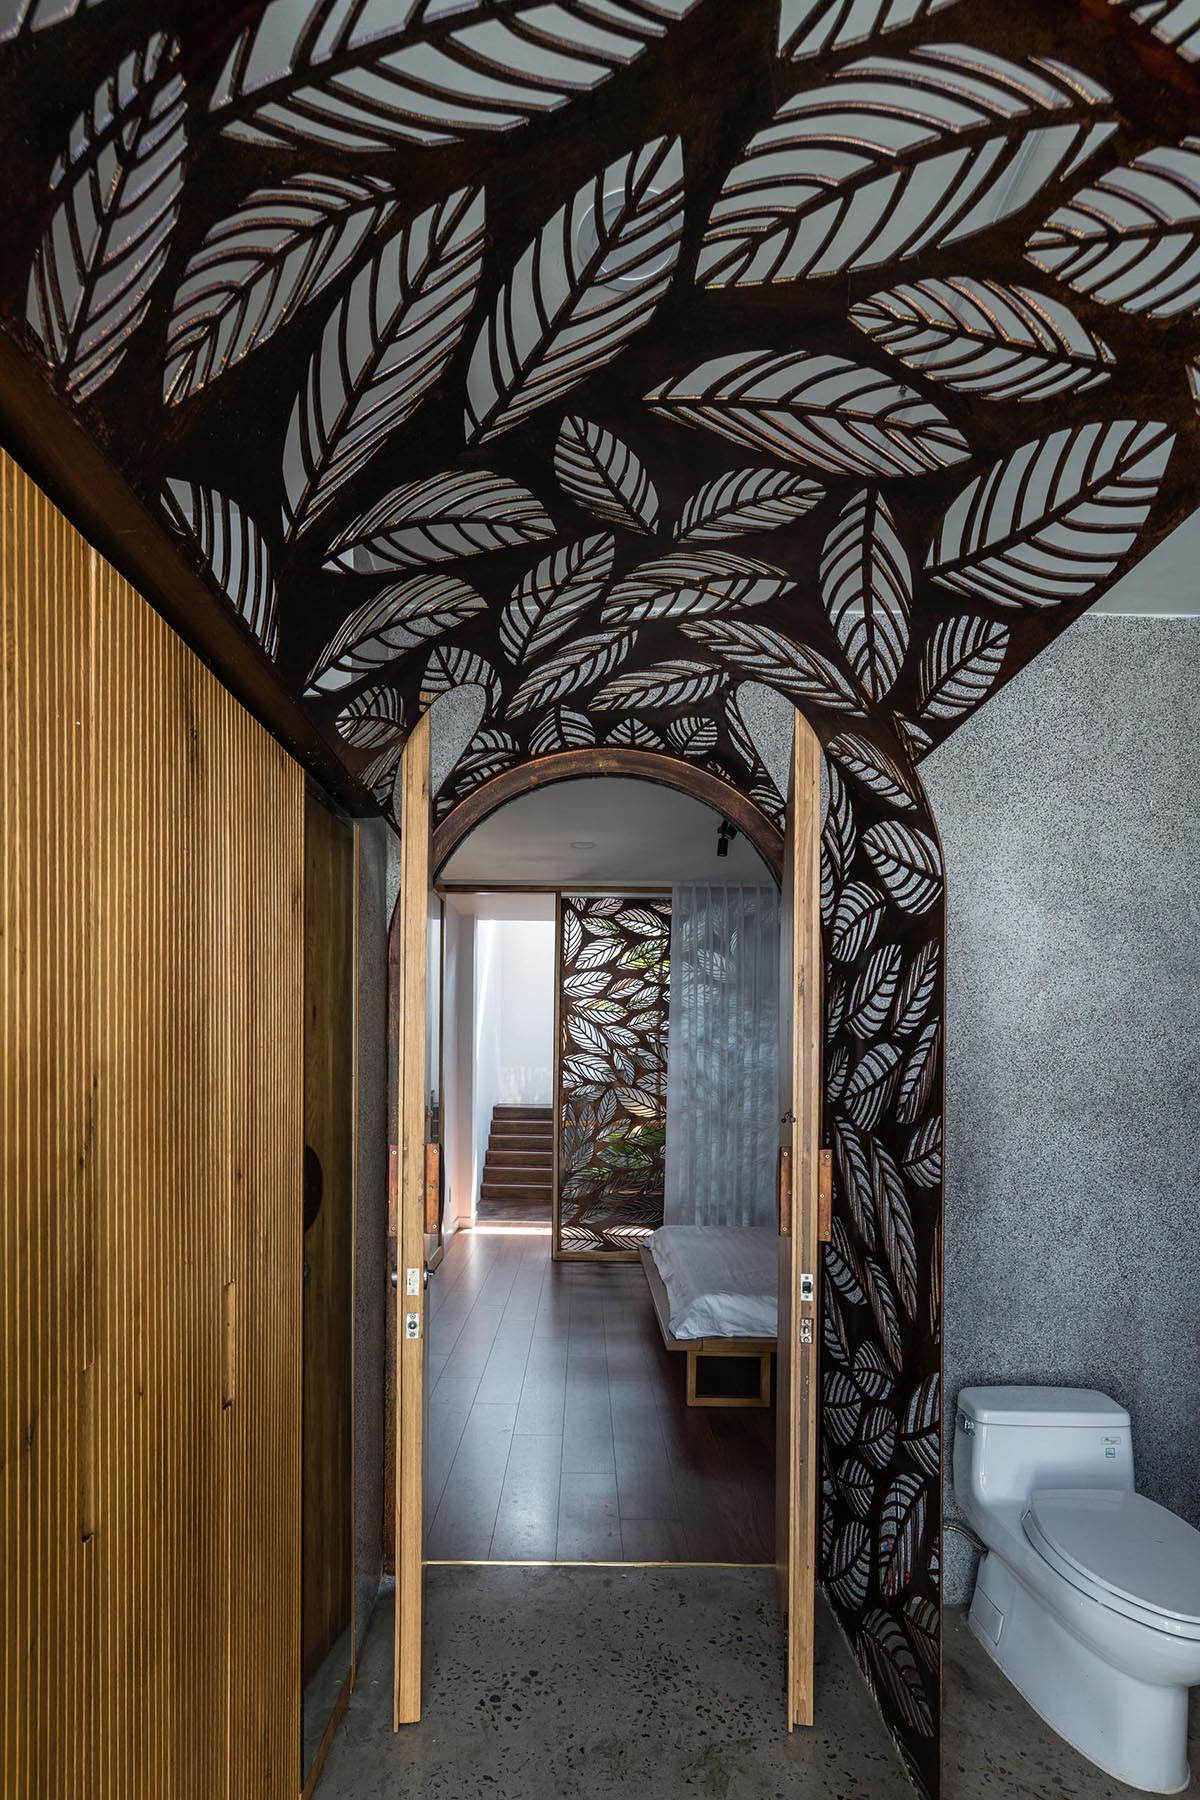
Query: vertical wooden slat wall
{"points": [[151, 964]]}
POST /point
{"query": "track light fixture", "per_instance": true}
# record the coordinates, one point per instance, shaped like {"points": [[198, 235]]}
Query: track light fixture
{"points": [[725, 836]]}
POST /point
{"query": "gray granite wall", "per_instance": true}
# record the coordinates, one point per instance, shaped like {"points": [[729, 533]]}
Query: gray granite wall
{"points": [[1069, 808], [371, 1236]]}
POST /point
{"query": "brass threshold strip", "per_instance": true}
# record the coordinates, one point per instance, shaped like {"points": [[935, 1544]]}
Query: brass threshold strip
{"points": [[483, 1562]]}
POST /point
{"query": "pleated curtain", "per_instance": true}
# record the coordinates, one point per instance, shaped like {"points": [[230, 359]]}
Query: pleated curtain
{"points": [[723, 1055]]}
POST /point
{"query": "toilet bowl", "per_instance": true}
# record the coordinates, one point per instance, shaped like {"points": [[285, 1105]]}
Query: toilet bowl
{"points": [[1088, 1597]]}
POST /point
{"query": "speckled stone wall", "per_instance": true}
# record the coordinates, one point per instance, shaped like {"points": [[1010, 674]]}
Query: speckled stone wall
{"points": [[374, 838], [1071, 828]]}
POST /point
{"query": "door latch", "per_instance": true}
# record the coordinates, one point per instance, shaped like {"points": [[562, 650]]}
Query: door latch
{"points": [[806, 1335], [412, 1325]]}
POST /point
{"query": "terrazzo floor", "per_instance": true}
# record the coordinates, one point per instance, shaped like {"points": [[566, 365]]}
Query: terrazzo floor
{"points": [[995, 1747], [592, 1683]]}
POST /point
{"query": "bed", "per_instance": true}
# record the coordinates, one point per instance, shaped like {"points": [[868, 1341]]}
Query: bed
{"points": [[715, 1294]]}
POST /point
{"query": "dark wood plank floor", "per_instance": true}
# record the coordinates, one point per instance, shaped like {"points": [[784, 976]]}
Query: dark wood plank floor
{"points": [[557, 1429]]}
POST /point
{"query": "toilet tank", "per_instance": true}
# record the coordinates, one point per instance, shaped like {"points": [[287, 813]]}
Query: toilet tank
{"points": [[1010, 1440]]}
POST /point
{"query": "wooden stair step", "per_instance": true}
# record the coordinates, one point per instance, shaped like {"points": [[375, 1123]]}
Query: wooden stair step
{"points": [[519, 1158], [524, 1112], [491, 1190], [538, 1146]]}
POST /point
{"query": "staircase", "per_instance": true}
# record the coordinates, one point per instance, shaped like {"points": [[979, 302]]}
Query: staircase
{"points": [[518, 1174]]}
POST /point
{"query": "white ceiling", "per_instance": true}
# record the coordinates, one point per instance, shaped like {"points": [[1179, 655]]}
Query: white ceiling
{"points": [[636, 833]]}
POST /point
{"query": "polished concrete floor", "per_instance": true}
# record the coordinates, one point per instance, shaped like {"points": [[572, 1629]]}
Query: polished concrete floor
{"points": [[995, 1747], [609, 1684], [557, 1428]]}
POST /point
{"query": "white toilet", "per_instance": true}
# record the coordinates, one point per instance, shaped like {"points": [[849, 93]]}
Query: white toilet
{"points": [[1089, 1595]]}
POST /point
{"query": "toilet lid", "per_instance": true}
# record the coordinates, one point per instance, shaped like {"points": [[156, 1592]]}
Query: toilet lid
{"points": [[1119, 1541]]}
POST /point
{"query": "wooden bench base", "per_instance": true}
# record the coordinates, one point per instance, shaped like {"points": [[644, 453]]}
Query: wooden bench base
{"points": [[696, 1348]]}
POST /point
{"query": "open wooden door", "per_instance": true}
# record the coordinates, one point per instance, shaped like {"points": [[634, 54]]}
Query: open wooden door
{"points": [[407, 1209], [799, 1163]]}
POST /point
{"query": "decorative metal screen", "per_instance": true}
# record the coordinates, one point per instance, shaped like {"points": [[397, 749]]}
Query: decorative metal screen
{"points": [[602, 355], [614, 979]]}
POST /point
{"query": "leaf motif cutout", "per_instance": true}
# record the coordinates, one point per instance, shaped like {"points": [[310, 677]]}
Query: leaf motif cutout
{"points": [[901, 1529], [460, 513], [923, 1156], [257, 268], [877, 1438], [840, 1266], [855, 1171], [770, 657], [372, 718], [676, 683], [587, 660], [383, 346], [916, 1082], [602, 474], [450, 666], [896, 1672], [1174, 22], [1051, 522], [592, 278], [923, 1623], [357, 78], [849, 1569], [856, 1487], [894, 1212], [916, 990], [560, 729], [115, 191], [923, 1425], [234, 553], [815, 27], [397, 619], [873, 992], [842, 1408], [36, 15], [872, 767], [747, 500], [688, 583], [809, 408], [871, 1084], [489, 752], [980, 337], [839, 838], [960, 665], [886, 1311], [1132, 240], [692, 736], [635, 734], [896, 156], [866, 584], [855, 922], [552, 596], [907, 862]]}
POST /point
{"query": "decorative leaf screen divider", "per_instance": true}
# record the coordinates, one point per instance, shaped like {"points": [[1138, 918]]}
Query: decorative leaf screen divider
{"points": [[604, 356], [613, 999]]}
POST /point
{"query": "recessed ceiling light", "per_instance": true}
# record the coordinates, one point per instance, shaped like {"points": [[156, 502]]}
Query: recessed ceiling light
{"points": [[583, 843]]}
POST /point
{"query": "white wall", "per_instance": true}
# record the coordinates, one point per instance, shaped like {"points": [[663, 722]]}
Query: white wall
{"points": [[499, 1023]]}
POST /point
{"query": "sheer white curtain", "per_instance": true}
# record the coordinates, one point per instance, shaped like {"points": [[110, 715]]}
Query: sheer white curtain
{"points": [[723, 1055]]}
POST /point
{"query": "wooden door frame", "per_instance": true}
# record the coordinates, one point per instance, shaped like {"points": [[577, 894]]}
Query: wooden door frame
{"points": [[800, 1141], [422, 862], [407, 977]]}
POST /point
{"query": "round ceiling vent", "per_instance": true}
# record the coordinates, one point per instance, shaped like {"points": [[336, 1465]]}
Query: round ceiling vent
{"points": [[627, 265]]}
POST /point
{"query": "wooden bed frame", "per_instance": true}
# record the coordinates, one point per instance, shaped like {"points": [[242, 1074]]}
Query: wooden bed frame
{"points": [[695, 1348]]}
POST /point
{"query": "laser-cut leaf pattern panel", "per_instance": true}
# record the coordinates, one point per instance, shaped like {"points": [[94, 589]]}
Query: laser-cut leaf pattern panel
{"points": [[116, 191], [613, 992], [605, 355], [434, 73]]}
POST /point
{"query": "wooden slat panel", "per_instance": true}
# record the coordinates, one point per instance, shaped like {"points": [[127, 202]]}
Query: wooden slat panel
{"points": [[150, 1040]]}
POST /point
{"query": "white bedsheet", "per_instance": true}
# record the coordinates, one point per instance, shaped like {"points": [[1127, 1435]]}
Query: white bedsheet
{"points": [[721, 1280]]}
